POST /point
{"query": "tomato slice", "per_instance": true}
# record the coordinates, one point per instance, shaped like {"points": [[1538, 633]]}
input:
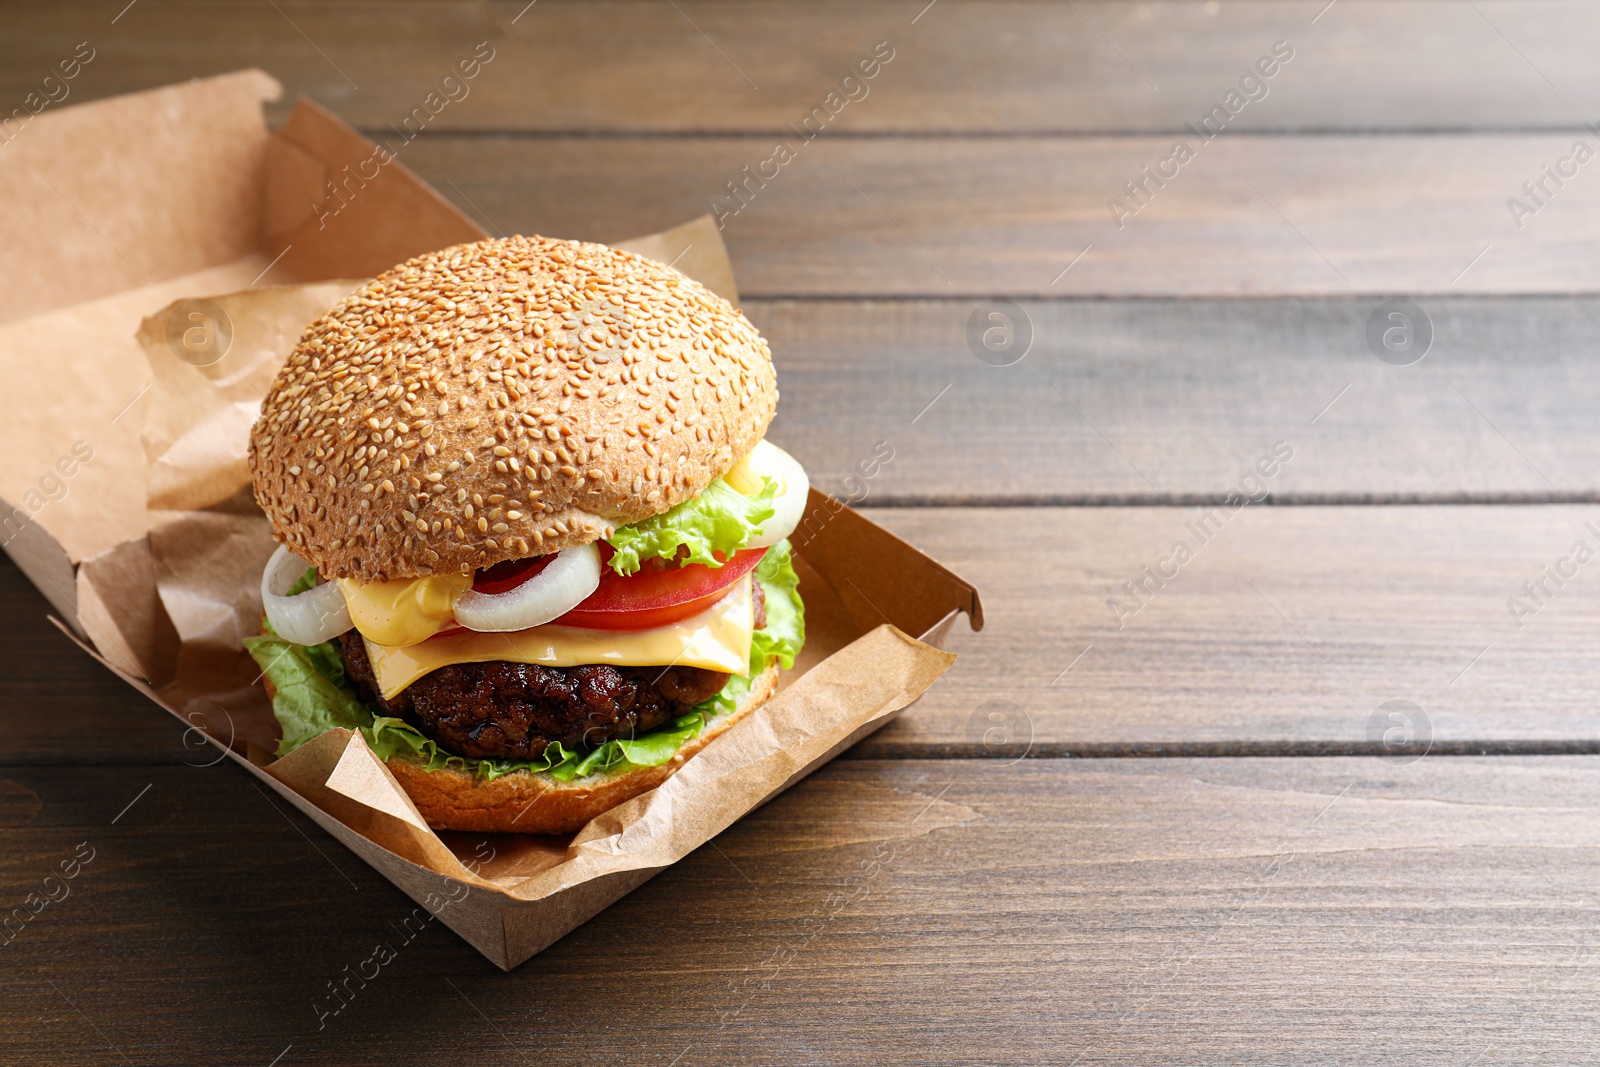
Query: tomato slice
{"points": [[657, 594]]}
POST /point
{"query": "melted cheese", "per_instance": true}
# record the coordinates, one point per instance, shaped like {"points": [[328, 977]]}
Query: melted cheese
{"points": [[398, 620], [748, 475], [406, 610], [743, 477], [411, 610], [717, 639]]}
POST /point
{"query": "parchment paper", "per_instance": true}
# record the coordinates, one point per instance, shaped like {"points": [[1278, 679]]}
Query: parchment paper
{"points": [[210, 543]]}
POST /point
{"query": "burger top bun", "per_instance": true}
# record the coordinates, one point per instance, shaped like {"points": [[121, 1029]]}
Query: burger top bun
{"points": [[503, 399]]}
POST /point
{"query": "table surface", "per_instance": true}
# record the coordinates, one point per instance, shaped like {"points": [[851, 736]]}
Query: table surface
{"points": [[1156, 828]]}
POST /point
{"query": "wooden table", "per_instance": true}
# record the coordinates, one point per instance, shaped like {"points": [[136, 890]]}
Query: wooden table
{"points": [[1215, 851]]}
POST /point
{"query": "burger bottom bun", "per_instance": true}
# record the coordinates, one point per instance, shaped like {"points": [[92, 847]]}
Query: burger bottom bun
{"points": [[525, 802]]}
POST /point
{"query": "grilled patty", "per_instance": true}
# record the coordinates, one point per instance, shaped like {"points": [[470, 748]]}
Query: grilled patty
{"points": [[501, 710]]}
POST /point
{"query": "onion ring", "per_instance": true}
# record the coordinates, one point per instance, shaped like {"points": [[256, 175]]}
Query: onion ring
{"points": [[554, 591], [319, 614], [789, 504]]}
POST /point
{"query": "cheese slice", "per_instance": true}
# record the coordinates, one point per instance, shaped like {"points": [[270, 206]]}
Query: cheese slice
{"points": [[717, 639], [406, 610]]}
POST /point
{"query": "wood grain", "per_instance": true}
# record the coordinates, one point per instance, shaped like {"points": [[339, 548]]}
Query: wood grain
{"points": [[57, 706], [960, 66], [1286, 632], [1151, 911], [1174, 401], [997, 910], [1286, 215]]}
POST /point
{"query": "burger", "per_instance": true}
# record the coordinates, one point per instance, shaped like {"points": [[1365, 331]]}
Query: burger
{"points": [[531, 539]]}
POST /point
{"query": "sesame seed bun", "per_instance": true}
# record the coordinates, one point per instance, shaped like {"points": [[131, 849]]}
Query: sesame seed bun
{"points": [[528, 803], [503, 399]]}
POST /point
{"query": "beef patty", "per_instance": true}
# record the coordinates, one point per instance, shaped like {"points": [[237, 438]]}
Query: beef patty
{"points": [[500, 710]]}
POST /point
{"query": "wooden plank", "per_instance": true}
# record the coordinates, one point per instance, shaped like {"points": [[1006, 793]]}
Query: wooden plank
{"points": [[1286, 633], [1174, 401], [1251, 216], [959, 66], [1150, 911], [59, 706], [1289, 630]]}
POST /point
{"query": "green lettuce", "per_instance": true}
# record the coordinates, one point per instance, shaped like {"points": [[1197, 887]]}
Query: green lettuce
{"points": [[307, 699], [390, 737], [720, 520], [312, 695], [783, 635], [785, 631]]}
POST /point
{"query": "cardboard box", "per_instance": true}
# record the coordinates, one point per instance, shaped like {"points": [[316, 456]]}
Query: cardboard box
{"points": [[117, 208], [124, 496]]}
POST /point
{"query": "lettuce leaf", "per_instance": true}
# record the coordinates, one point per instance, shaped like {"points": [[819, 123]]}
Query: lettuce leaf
{"points": [[390, 737], [307, 700], [719, 520], [785, 631], [312, 695], [647, 750], [783, 635]]}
